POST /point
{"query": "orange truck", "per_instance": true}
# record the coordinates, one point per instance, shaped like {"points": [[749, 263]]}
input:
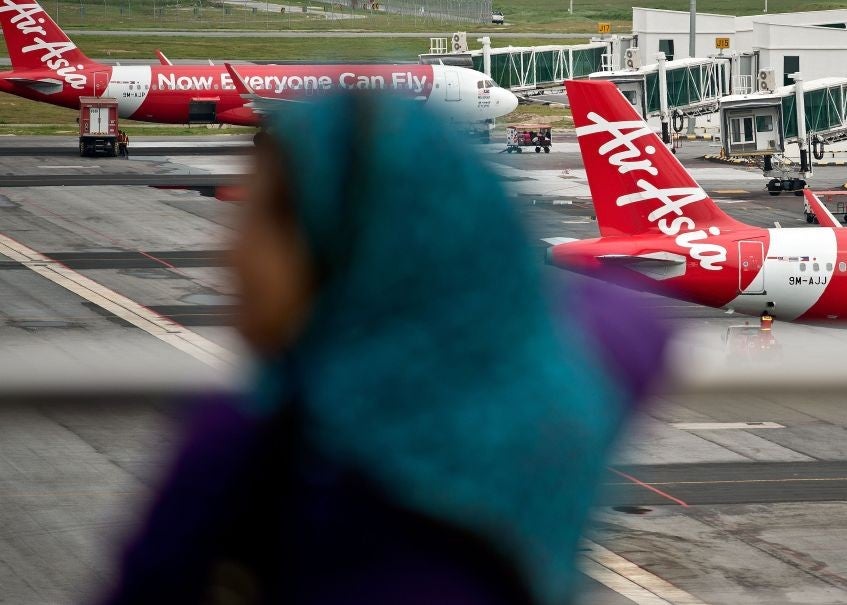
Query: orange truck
{"points": [[98, 126]]}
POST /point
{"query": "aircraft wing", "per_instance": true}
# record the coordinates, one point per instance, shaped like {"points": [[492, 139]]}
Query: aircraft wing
{"points": [[656, 265], [821, 212], [47, 86], [162, 58]]}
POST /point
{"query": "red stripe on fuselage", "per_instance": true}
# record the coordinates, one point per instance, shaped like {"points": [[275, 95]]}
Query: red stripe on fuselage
{"points": [[172, 88], [97, 78], [182, 84], [714, 288]]}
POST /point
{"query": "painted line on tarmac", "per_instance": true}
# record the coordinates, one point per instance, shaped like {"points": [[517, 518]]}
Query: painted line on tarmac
{"points": [[71, 166], [717, 426], [649, 487], [616, 582], [740, 481], [658, 591], [161, 327]]}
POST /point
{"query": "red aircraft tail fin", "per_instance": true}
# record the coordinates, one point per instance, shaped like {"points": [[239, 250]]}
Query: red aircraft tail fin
{"points": [[34, 41], [637, 184]]}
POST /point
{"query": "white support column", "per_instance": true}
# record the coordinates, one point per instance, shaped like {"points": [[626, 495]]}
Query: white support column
{"points": [[486, 54], [800, 103]]}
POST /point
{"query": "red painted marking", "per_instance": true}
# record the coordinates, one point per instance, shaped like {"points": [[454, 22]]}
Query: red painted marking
{"points": [[120, 244], [648, 486], [231, 193]]}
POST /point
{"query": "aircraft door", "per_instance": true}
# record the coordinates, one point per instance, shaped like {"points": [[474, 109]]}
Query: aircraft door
{"points": [[751, 267], [101, 83], [453, 90]]}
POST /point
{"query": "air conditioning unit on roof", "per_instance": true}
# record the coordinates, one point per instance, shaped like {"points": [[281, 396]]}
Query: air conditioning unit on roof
{"points": [[766, 82], [459, 42], [631, 58]]}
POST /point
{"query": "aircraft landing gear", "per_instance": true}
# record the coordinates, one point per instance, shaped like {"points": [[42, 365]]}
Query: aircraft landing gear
{"points": [[776, 186]]}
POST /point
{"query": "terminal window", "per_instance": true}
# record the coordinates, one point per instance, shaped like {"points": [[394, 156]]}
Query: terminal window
{"points": [[631, 96], [741, 130], [666, 46], [790, 65], [764, 123]]}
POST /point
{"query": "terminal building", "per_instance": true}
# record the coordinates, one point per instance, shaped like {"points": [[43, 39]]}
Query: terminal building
{"points": [[813, 43]]}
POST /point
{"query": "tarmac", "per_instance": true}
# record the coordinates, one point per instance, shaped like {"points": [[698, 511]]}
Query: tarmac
{"points": [[713, 497]]}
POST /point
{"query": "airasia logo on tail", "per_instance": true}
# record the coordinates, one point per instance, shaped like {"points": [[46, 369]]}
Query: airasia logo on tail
{"points": [[52, 52], [622, 153]]}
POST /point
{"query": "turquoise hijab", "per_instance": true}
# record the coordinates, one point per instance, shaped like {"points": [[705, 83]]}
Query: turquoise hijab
{"points": [[431, 362]]}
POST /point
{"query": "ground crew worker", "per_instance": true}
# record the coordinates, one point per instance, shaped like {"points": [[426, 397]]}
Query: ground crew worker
{"points": [[766, 322], [123, 144]]}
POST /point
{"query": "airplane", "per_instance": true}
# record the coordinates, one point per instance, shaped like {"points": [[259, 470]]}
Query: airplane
{"points": [[661, 232], [48, 67]]}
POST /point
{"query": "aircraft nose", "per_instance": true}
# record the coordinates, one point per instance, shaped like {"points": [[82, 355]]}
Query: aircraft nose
{"points": [[507, 102]]}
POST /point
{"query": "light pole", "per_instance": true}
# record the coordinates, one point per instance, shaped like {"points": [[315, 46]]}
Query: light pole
{"points": [[692, 46], [570, 10], [692, 29]]}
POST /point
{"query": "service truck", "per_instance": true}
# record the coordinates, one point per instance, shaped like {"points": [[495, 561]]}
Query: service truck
{"points": [[98, 126]]}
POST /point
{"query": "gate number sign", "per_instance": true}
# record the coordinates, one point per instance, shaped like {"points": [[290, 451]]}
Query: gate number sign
{"points": [[604, 28], [721, 43]]}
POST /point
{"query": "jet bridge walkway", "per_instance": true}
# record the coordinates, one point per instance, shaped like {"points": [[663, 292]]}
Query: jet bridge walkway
{"points": [[694, 86], [522, 69]]}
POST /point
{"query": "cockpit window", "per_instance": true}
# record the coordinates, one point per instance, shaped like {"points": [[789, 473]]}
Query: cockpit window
{"points": [[485, 84]]}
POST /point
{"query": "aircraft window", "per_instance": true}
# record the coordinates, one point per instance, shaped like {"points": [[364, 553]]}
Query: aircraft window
{"points": [[816, 267], [216, 86], [829, 266], [490, 83], [480, 84], [802, 266], [842, 266]]}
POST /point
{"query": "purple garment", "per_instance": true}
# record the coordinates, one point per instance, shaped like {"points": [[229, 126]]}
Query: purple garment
{"points": [[248, 510]]}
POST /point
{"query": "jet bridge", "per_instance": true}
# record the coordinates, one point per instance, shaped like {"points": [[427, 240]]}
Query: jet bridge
{"points": [[694, 86], [760, 125], [524, 68], [531, 67]]}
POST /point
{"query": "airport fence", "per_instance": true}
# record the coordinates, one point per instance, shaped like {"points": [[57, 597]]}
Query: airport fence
{"points": [[257, 15]]}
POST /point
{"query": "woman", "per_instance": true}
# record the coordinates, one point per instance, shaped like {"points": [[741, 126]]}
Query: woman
{"points": [[421, 430]]}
